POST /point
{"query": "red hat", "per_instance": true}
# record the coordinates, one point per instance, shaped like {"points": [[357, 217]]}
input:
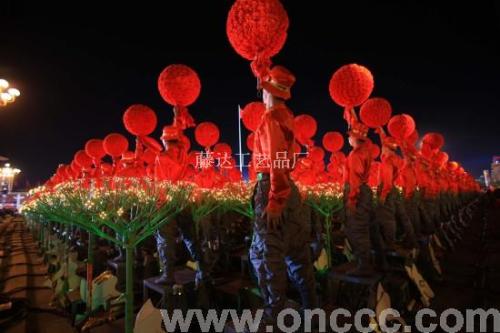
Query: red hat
{"points": [[278, 82], [171, 133], [358, 130]]}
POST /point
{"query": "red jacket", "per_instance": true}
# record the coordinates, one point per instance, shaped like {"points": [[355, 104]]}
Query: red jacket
{"points": [[272, 146], [388, 173], [358, 170], [171, 165], [407, 178]]}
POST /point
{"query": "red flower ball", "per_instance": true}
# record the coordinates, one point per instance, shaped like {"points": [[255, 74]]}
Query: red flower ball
{"points": [[94, 149], [401, 126], [206, 134], [316, 154], [333, 141], [115, 144], [305, 127], [83, 160], [179, 85], [75, 167], [434, 140], [250, 141], [375, 112], [441, 158], [251, 115], [257, 30], [140, 120], [351, 85], [222, 150]]}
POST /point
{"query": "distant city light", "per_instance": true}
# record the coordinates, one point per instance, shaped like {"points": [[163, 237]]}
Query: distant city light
{"points": [[7, 93]]}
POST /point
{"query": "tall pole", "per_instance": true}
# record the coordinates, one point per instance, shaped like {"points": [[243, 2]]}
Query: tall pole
{"points": [[239, 139]]}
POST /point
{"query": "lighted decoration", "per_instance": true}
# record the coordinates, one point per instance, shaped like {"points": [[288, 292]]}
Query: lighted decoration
{"points": [[7, 94], [375, 112], [95, 149], [140, 120], [333, 141], [206, 134], [251, 115], [305, 127], [434, 140], [115, 145], [401, 126], [7, 176], [351, 85], [257, 30], [131, 210], [326, 199]]}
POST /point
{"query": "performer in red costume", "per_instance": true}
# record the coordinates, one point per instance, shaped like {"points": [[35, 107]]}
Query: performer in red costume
{"points": [[280, 233], [359, 196], [172, 166]]}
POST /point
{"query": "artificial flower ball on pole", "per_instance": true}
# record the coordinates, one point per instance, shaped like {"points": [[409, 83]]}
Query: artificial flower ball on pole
{"points": [[305, 127], [251, 115], [180, 86], [206, 134], [115, 145], [333, 141], [257, 30], [401, 126], [375, 112], [139, 120], [434, 140]]}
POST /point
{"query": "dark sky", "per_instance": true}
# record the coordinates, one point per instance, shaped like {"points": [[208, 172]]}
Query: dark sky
{"points": [[79, 67]]}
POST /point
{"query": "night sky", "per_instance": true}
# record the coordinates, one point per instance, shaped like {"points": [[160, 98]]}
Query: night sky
{"points": [[79, 67]]}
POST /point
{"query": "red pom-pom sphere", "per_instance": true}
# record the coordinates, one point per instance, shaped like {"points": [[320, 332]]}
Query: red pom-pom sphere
{"points": [[179, 85], [375, 112], [140, 120], [434, 140], [401, 126], [257, 29], [351, 85], [115, 144], [305, 127], [251, 115], [333, 141], [94, 148], [206, 134], [83, 160]]}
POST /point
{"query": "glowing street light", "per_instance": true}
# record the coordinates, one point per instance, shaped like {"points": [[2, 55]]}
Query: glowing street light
{"points": [[7, 175], [7, 93]]}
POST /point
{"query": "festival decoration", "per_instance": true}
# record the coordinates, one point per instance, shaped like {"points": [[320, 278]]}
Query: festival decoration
{"points": [[401, 126], [375, 112], [351, 85], [257, 30]]}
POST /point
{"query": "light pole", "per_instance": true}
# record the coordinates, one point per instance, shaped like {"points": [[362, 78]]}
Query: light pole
{"points": [[7, 175], [7, 94]]}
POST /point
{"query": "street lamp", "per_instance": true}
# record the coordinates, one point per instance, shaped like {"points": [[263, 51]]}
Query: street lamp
{"points": [[7, 175], [7, 93]]}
